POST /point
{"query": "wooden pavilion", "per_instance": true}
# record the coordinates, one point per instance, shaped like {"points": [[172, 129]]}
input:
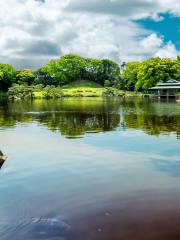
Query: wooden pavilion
{"points": [[169, 89]]}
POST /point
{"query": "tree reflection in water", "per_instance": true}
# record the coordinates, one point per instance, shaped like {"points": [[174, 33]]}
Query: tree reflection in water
{"points": [[75, 117]]}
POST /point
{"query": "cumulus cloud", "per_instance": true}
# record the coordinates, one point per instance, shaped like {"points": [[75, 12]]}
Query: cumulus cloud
{"points": [[167, 51], [41, 48], [131, 9], [151, 42], [34, 31]]}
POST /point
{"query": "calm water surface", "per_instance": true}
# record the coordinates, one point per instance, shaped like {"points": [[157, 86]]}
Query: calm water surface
{"points": [[90, 169]]}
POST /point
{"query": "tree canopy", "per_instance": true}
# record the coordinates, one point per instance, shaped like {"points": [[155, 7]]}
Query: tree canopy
{"points": [[71, 67], [141, 76], [131, 76], [7, 75], [25, 77], [155, 70]]}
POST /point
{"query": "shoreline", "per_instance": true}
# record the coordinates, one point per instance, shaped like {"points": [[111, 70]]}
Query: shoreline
{"points": [[51, 92]]}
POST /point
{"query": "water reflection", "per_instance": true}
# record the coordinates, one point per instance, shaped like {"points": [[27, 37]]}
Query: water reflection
{"points": [[75, 117], [171, 167], [123, 185], [36, 228], [153, 117]]}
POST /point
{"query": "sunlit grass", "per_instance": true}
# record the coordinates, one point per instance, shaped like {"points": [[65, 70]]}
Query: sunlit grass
{"points": [[83, 92], [83, 83], [82, 89]]}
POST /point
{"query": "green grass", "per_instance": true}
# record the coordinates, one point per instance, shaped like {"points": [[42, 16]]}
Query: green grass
{"points": [[82, 83], [82, 92], [87, 92], [74, 92], [77, 89], [84, 89]]}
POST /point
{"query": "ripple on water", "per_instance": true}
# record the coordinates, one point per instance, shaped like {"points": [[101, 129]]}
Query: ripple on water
{"points": [[35, 228]]}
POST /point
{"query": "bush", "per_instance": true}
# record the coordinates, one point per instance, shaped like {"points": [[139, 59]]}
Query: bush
{"points": [[52, 92], [20, 91], [107, 83]]}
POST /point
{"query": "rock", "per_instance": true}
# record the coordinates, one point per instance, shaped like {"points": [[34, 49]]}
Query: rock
{"points": [[3, 158]]}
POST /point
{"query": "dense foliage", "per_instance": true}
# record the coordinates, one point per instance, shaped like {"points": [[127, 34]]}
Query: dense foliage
{"points": [[130, 76], [134, 76], [70, 68], [155, 70], [141, 76], [25, 77], [7, 76]]}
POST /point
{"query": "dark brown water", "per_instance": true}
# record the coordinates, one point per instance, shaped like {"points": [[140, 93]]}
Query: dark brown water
{"points": [[90, 169]]}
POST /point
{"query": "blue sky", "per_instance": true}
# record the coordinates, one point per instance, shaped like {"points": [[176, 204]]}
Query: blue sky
{"points": [[168, 27], [35, 31]]}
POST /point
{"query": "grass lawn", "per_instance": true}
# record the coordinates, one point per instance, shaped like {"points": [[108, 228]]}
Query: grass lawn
{"points": [[82, 83], [77, 89], [83, 89]]}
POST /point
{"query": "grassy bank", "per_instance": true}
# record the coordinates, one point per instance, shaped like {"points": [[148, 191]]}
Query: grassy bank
{"points": [[70, 92], [75, 89], [86, 92]]}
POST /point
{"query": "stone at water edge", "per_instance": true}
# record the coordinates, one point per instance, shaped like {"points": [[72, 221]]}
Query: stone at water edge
{"points": [[2, 156]]}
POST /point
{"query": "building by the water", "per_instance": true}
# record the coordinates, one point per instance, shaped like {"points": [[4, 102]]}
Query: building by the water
{"points": [[169, 89]]}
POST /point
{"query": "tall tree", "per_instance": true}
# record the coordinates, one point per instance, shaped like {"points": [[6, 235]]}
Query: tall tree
{"points": [[156, 70], [7, 75], [25, 77], [129, 76], [111, 71]]}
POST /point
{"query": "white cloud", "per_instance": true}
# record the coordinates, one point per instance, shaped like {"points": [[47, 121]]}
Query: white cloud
{"points": [[172, 6], [32, 32], [168, 51], [152, 42], [131, 9], [157, 18]]}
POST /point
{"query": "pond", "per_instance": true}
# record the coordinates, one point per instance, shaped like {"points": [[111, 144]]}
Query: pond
{"points": [[90, 169]]}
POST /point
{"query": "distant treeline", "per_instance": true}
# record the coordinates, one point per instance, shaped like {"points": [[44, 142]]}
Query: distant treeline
{"points": [[133, 76]]}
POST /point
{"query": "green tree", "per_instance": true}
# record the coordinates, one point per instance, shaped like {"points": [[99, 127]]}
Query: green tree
{"points": [[62, 71], [111, 72], [92, 70], [129, 76], [25, 77], [71, 67], [155, 70], [7, 75]]}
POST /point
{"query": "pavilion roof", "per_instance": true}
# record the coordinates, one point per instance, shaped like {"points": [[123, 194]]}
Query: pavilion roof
{"points": [[170, 84]]}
